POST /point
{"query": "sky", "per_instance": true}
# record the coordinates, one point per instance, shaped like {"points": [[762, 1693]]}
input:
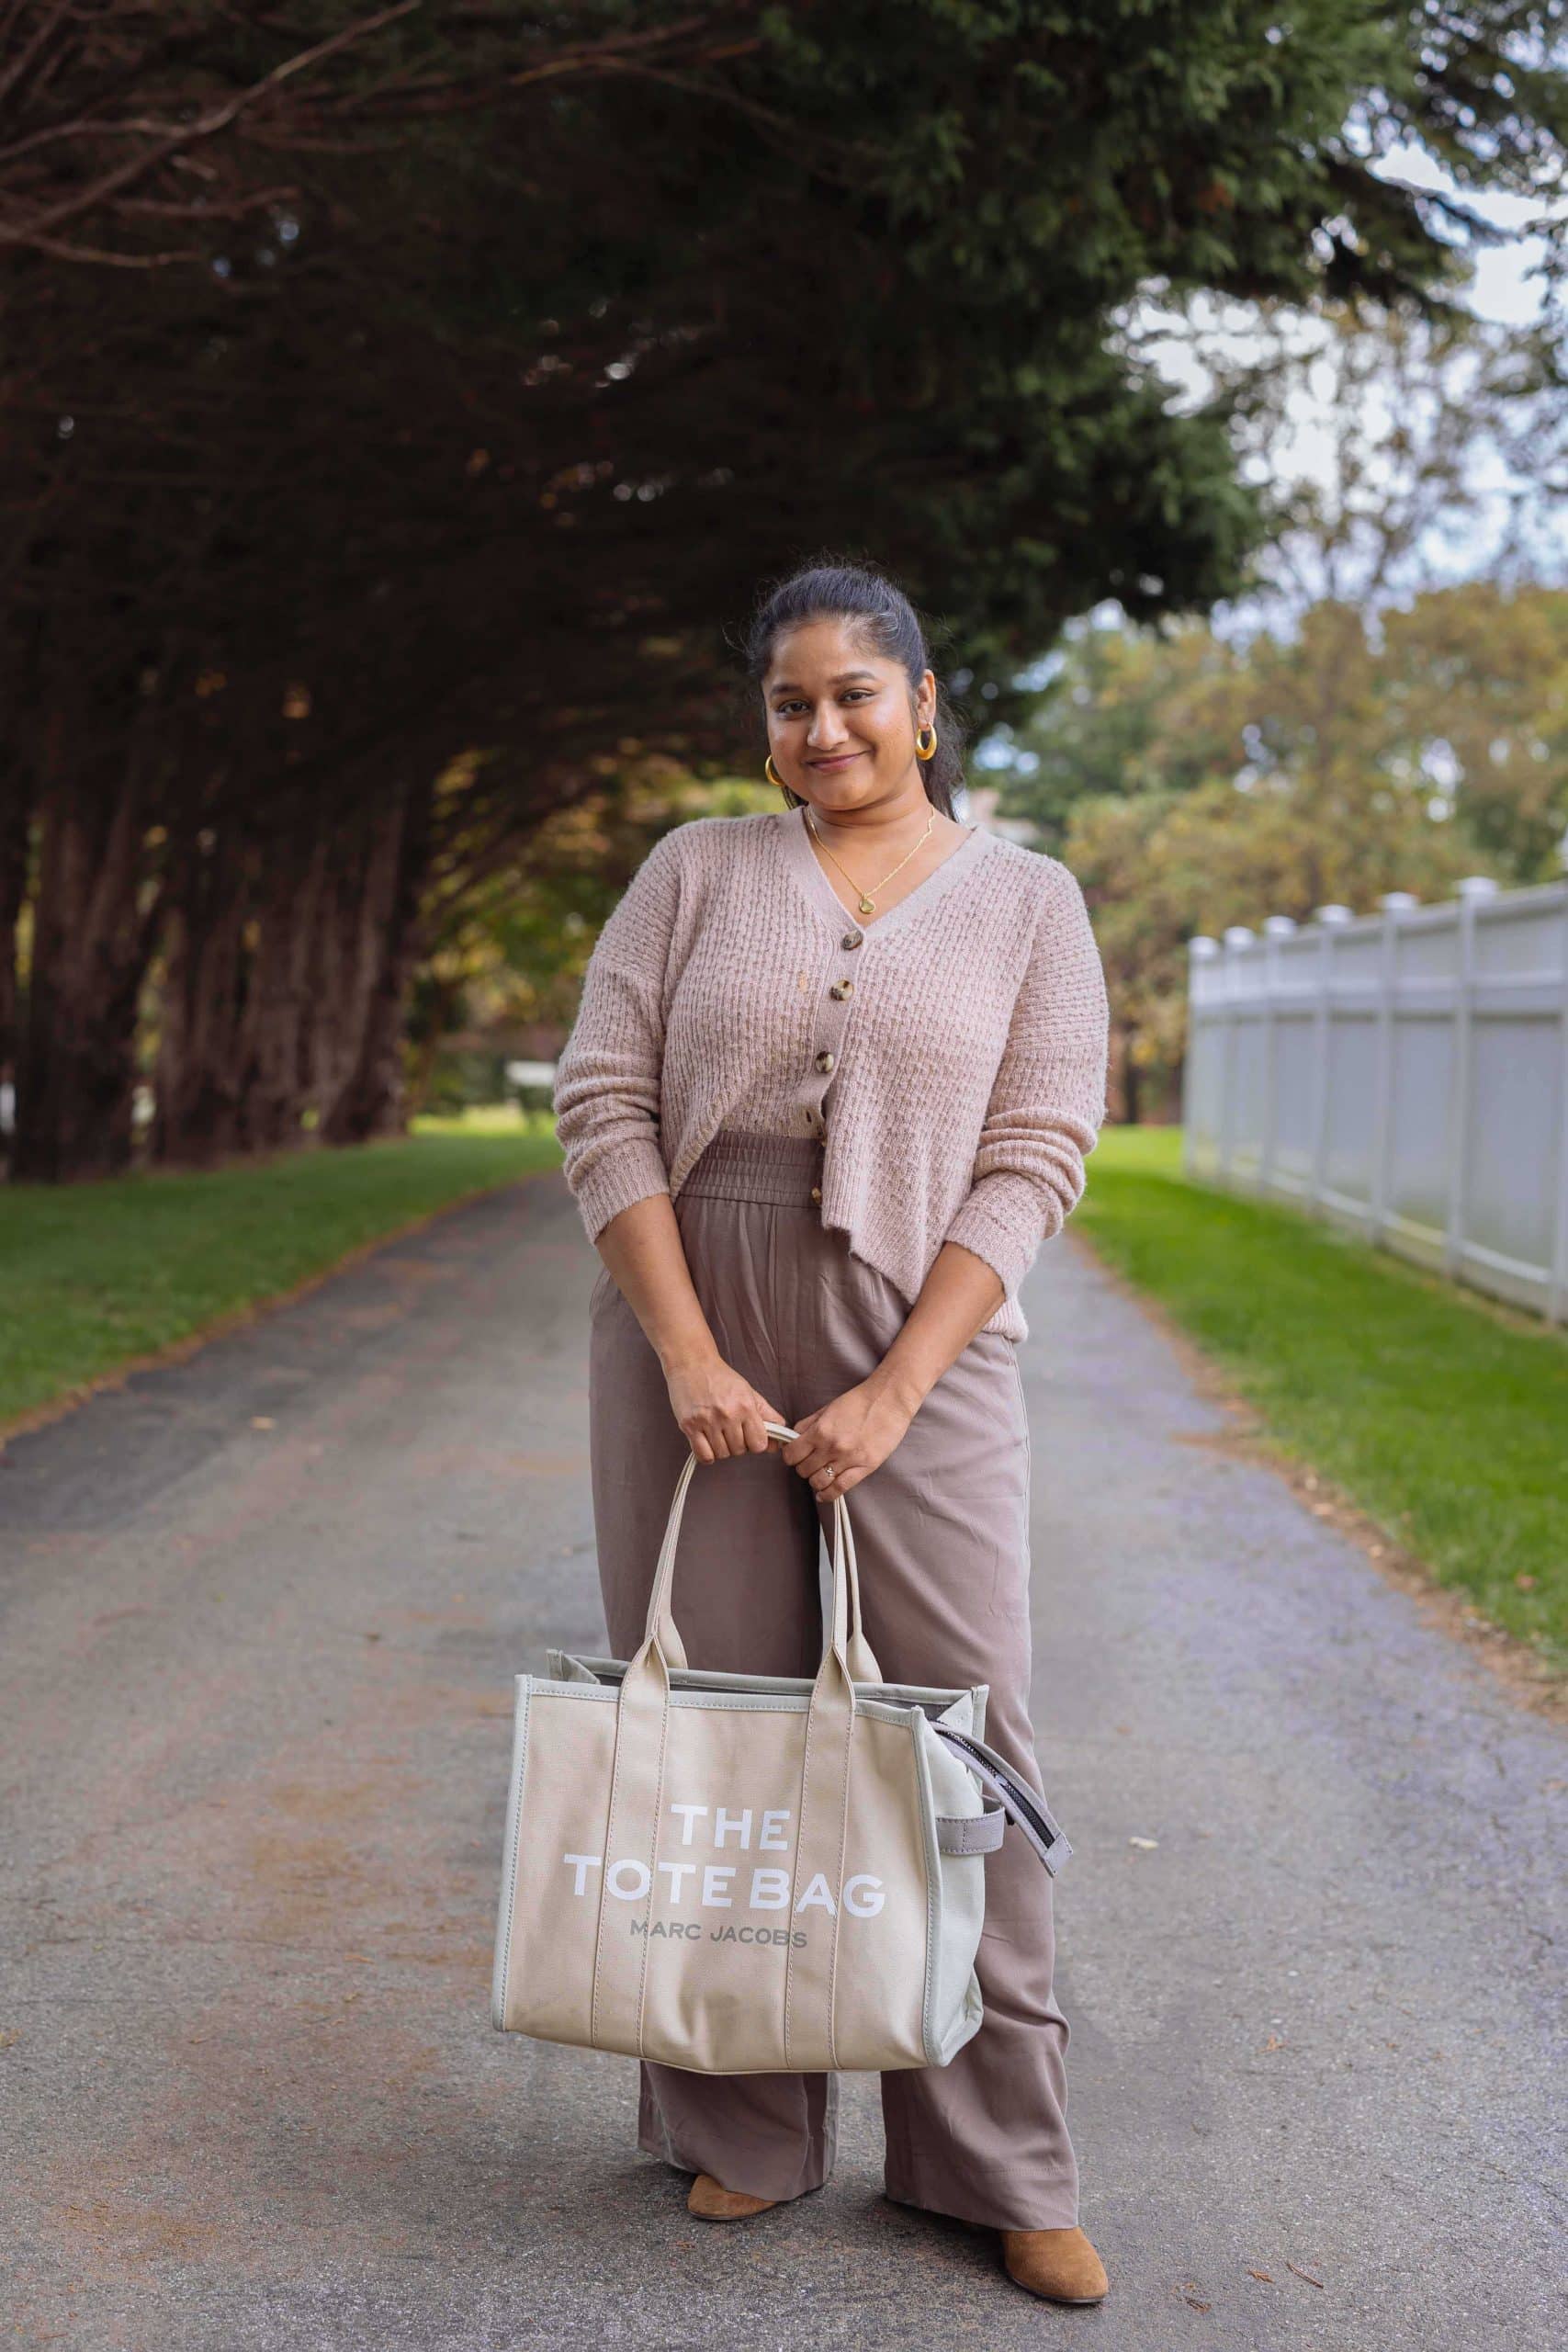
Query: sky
{"points": [[1503, 292]]}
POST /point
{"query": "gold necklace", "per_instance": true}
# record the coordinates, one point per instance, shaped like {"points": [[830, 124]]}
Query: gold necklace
{"points": [[867, 902]]}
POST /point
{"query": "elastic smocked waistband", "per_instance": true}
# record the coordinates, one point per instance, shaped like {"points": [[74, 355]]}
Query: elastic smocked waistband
{"points": [[740, 1165]]}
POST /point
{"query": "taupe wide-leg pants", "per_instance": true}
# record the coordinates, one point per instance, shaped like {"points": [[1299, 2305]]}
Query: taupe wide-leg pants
{"points": [[941, 1535]]}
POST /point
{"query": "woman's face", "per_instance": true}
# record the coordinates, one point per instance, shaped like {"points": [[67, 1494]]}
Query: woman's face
{"points": [[839, 724]]}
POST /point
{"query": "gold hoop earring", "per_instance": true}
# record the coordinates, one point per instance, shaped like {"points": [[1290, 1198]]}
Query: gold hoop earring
{"points": [[924, 751], [773, 774]]}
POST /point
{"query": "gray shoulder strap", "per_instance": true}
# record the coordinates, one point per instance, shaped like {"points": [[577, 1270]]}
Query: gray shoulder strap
{"points": [[1022, 1804]]}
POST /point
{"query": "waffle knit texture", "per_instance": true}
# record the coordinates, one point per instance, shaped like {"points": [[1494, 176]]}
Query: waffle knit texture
{"points": [[966, 1057]]}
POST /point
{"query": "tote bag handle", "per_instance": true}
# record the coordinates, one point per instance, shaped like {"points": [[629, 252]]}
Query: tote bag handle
{"points": [[844, 1632]]}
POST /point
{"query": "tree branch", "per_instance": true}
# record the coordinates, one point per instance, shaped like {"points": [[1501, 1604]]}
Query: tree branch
{"points": [[205, 127]]}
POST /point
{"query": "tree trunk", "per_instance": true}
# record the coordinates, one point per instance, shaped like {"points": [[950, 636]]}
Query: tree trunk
{"points": [[339, 952], [200, 1079], [278, 1009], [92, 938], [284, 981], [369, 1102], [15, 816]]}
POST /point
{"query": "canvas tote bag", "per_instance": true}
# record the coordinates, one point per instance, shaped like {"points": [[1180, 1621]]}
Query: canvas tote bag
{"points": [[744, 1873]]}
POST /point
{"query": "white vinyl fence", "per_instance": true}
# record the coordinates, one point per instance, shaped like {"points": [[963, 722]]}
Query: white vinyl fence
{"points": [[1406, 1072]]}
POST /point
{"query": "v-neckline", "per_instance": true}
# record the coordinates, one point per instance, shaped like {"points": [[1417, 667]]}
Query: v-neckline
{"points": [[804, 864]]}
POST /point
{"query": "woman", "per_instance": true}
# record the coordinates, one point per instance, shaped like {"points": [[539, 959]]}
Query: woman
{"points": [[832, 1080]]}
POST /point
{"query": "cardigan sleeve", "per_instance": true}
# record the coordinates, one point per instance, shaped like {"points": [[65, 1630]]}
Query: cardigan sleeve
{"points": [[606, 1091], [1048, 1099]]}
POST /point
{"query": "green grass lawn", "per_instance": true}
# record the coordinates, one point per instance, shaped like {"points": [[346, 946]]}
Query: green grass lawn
{"points": [[1444, 1417], [92, 1274]]}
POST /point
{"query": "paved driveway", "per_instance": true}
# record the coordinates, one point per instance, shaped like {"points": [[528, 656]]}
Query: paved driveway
{"points": [[258, 1614]]}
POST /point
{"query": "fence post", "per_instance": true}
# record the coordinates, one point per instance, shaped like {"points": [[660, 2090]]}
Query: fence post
{"points": [[1328, 919], [1557, 1283], [1471, 891], [1199, 950], [1237, 936], [1275, 927], [1394, 903]]}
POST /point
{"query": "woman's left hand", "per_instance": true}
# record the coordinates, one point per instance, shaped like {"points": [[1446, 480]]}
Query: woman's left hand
{"points": [[850, 1437]]}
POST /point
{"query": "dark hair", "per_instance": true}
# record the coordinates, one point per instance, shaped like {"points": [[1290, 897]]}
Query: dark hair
{"points": [[882, 619]]}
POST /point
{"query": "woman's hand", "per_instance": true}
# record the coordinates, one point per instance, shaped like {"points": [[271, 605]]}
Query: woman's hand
{"points": [[850, 1436], [720, 1412]]}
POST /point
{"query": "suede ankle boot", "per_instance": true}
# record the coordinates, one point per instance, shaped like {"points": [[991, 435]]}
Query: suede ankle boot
{"points": [[711, 2202], [1060, 2264]]}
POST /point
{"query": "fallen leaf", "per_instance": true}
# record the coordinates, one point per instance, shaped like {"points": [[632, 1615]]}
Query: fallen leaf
{"points": [[260, 1422], [10, 2035], [1306, 2275], [1275, 2041], [1525, 1581], [1266, 2275], [1196, 2305]]}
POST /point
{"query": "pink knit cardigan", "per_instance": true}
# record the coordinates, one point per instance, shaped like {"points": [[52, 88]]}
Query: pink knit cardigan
{"points": [[949, 1052]]}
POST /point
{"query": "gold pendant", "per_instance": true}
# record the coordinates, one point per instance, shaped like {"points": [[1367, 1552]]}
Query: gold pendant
{"points": [[868, 906]]}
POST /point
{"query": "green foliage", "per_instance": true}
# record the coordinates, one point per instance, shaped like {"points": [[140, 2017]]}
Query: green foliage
{"points": [[1474, 682], [1192, 781], [465, 1078], [1442, 1417]]}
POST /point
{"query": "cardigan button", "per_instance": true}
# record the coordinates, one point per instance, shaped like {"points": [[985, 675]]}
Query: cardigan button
{"points": [[842, 988], [816, 1192], [851, 939], [824, 1061]]}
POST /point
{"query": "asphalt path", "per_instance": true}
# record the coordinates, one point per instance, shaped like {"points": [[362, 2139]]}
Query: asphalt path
{"points": [[259, 1613]]}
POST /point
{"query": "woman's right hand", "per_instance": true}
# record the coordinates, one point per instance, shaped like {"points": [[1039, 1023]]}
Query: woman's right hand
{"points": [[720, 1413]]}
